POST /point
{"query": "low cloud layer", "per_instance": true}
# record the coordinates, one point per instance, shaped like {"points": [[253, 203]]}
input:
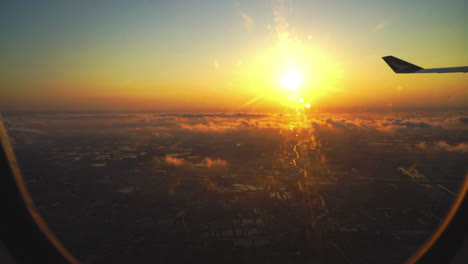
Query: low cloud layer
{"points": [[171, 160], [216, 163], [34, 127], [174, 161], [443, 146]]}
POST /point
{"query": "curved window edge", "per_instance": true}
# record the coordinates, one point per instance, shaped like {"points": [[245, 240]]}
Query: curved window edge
{"points": [[25, 234]]}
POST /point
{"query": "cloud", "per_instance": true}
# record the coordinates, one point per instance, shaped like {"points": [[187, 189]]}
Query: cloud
{"points": [[171, 160], [340, 123], [175, 126], [462, 147], [383, 123], [216, 124], [381, 25], [177, 162], [210, 115], [249, 23], [392, 122], [443, 146], [216, 163]]}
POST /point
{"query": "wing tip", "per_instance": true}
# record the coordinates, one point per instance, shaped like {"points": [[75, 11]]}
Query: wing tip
{"points": [[399, 65]]}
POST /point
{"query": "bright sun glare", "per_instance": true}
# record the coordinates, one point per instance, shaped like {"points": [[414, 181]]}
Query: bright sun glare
{"points": [[291, 80]]}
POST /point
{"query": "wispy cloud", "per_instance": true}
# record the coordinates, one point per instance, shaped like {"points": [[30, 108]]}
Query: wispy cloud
{"points": [[443, 146], [171, 160], [381, 25], [249, 23]]}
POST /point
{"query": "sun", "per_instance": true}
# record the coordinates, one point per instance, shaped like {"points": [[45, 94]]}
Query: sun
{"points": [[291, 80]]}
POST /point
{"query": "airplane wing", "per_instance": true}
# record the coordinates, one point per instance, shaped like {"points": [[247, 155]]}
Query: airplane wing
{"points": [[401, 66]]}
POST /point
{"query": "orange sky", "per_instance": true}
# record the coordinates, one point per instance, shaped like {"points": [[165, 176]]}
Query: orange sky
{"points": [[231, 56]]}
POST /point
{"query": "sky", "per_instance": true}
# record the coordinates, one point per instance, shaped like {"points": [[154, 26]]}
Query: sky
{"points": [[230, 56]]}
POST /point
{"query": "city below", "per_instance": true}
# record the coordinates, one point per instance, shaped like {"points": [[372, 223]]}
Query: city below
{"points": [[242, 188]]}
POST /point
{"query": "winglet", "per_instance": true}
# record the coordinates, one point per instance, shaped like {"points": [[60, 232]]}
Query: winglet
{"points": [[400, 66]]}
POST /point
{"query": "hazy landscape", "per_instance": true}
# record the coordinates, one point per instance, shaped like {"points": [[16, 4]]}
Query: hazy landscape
{"points": [[242, 188]]}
